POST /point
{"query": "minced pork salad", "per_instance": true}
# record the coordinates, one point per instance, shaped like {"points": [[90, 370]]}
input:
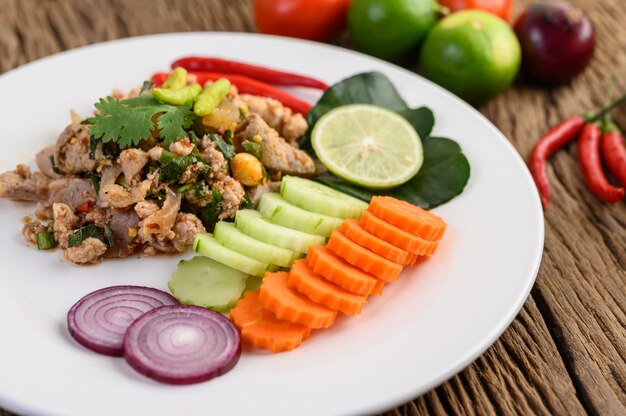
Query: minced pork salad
{"points": [[149, 170]]}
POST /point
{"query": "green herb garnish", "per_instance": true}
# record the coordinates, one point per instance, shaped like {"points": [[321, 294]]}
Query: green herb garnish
{"points": [[55, 168], [228, 134], [247, 202], [251, 147], [95, 180], [228, 150], [174, 165], [45, 240], [108, 234], [93, 145], [146, 86], [128, 122], [208, 215], [85, 232]]}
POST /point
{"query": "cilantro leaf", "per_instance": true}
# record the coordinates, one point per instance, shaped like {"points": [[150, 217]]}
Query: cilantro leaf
{"points": [[128, 122], [173, 123]]}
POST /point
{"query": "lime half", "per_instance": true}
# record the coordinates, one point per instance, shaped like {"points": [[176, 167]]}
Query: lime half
{"points": [[368, 145]]}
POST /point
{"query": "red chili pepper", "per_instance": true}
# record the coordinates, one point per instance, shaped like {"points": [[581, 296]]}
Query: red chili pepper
{"points": [[591, 165], [85, 207], [259, 73], [614, 152], [245, 85], [553, 140], [559, 136]]}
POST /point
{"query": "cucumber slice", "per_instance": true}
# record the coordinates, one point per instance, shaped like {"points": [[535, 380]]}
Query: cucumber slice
{"points": [[229, 236], [315, 197], [253, 224], [205, 282], [207, 245], [278, 211]]}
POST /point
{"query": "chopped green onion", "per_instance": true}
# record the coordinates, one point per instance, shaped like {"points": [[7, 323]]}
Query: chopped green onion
{"points": [[55, 168], [146, 86], [185, 188], [45, 240], [251, 147], [95, 180], [93, 144], [108, 234]]}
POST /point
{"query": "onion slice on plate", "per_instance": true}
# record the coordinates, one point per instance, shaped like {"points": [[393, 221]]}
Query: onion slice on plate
{"points": [[100, 319], [182, 344]]}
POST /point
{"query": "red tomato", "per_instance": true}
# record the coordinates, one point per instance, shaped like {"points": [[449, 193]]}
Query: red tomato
{"points": [[501, 8], [319, 20]]}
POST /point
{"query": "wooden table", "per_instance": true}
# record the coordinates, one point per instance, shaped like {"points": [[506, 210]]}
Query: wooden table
{"points": [[566, 351]]}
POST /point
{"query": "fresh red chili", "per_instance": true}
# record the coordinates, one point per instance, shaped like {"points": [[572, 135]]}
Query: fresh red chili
{"points": [[560, 135], [245, 85], [614, 152], [591, 165], [259, 73]]}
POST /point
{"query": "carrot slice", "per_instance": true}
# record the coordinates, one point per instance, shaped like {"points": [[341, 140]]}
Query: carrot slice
{"points": [[411, 260], [363, 258], [408, 217], [289, 305], [351, 229], [261, 329], [394, 235], [336, 270], [320, 290], [378, 287]]}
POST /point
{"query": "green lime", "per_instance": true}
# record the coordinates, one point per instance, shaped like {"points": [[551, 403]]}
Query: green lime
{"points": [[472, 53], [390, 29], [368, 145]]}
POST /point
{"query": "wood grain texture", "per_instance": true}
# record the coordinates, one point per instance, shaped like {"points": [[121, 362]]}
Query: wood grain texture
{"points": [[565, 354]]}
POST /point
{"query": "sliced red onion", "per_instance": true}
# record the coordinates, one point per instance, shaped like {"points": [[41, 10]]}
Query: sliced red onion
{"points": [[182, 344], [100, 319]]}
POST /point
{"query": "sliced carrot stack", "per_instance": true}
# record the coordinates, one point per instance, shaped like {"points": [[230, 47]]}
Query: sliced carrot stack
{"points": [[378, 287], [289, 305], [321, 291], [363, 258], [408, 217], [352, 230], [261, 329], [336, 270], [411, 260], [396, 236]]}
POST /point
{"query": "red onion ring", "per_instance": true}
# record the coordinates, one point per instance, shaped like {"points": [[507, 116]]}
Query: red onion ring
{"points": [[100, 319], [182, 344]]}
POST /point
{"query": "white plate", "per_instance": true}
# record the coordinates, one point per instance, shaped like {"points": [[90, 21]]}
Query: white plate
{"points": [[426, 327]]}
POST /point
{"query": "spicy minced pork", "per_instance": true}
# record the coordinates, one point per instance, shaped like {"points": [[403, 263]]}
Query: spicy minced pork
{"points": [[98, 199]]}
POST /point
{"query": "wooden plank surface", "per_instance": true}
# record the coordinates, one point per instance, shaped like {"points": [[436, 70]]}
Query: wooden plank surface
{"points": [[565, 353]]}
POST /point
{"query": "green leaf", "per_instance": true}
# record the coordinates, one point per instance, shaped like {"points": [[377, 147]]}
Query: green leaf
{"points": [[88, 231], [173, 170], [209, 214], [443, 176], [368, 88], [445, 171], [422, 119], [251, 147], [128, 122], [228, 150], [173, 123]]}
